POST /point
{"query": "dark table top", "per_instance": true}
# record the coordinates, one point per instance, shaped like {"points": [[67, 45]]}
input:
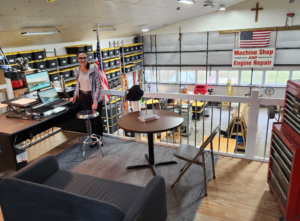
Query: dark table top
{"points": [[168, 120], [10, 126]]}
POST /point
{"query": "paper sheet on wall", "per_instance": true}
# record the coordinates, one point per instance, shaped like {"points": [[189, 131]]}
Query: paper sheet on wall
{"points": [[23, 101]]}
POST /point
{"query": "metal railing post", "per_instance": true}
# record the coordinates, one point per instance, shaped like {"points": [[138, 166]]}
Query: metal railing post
{"points": [[252, 125]]}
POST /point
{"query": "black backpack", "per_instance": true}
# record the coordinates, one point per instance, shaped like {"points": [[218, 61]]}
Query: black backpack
{"points": [[135, 93]]}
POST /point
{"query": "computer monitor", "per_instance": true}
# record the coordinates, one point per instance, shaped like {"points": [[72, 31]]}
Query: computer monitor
{"points": [[48, 96], [37, 81]]}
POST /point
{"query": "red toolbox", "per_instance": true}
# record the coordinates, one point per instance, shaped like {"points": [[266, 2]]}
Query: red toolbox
{"points": [[17, 83], [200, 89]]}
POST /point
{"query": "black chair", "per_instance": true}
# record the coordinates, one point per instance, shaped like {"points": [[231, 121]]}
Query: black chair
{"points": [[198, 156]]}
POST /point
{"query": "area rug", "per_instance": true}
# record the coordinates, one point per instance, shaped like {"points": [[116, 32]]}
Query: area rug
{"points": [[182, 201]]}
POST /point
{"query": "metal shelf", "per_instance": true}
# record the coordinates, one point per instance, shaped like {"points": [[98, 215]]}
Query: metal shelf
{"points": [[70, 79], [113, 78], [115, 56], [61, 67], [110, 68], [133, 71], [132, 52], [131, 62]]}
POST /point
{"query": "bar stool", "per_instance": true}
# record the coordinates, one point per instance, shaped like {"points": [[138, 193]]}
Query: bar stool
{"points": [[89, 138]]}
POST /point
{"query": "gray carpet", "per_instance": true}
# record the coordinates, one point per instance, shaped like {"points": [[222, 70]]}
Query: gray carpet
{"points": [[182, 201]]}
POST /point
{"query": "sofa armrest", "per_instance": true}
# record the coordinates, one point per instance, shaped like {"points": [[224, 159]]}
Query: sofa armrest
{"points": [[39, 170], [151, 204], [22, 200]]}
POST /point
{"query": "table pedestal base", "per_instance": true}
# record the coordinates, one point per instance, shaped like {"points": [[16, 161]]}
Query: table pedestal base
{"points": [[151, 166]]}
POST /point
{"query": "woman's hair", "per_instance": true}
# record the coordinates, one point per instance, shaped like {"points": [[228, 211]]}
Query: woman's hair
{"points": [[87, 64]]}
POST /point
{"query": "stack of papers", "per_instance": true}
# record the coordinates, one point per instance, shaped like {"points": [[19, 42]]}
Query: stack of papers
{"points": [[148, 117]]}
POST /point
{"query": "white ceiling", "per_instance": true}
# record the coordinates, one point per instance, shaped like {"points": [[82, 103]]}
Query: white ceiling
{"points": [[77, 18]]}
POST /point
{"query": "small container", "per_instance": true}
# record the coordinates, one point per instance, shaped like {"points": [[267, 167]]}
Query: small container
{"points": [[104, 52], [31, 64], [41, 64], [74, 49], [140, 55], [38, 54], [112, 63], [111, 52], [25, 54], [11, 57], [108, 75], [113, 73], [88, 48], [141, 46], [127, 68], [106, 64], [117, 51], [132, 57], [95, 54], [62, 60], [65, 73], [131, 48], [54, 76], [126, 59], [136, 56], [117, 62], [90, 56], [118, 72], [51, 62], [132, 67], [126, 49], [136, 47], [72, 59], [72, 72]]}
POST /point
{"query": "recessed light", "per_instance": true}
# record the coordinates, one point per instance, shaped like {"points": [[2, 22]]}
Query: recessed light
{"points": [[222, 8], [187, 1], [145, 29]]}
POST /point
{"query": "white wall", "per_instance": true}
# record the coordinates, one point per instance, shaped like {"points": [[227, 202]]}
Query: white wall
{"points": [[60, 48], [238, 16]]}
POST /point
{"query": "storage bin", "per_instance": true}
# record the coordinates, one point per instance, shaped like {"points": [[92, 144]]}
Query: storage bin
{"points": [[11, 57], [31, 64], [141, 46], [117, 62], [136, 47], [113, 74], [105, 64], [111, 110], [25, 54], [65, 73], [90, 56], [127, 68], [126, 49], [14, 66], [112, 129], [37, 54], [72, 59], [108, 75], [131, 48], [132, 57], [88, 48], [136, 57], [117, 51], [126, 59], [95, 54], [72, 72], [111, 52], [111, 120], [62, 60], [51, 62], [54, 76], [41, 64], [140, 55], [118, 72], [74, 49], [112, 63], [132, 67], [104, 52]]}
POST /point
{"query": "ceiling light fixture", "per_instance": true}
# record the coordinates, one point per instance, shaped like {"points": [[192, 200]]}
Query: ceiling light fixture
{"points": [[208, 4], [187, 1], [222, 8], [41, 32], [145, 29]]}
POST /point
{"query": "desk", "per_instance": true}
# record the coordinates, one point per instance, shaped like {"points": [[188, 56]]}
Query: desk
{"points": [[167, 121], [14, 131]]}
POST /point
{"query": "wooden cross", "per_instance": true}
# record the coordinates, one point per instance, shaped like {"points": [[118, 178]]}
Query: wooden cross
{"points": [[256, 9]]}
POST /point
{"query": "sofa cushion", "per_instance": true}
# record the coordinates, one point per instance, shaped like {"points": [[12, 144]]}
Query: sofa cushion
{"points": [[119, 194]]}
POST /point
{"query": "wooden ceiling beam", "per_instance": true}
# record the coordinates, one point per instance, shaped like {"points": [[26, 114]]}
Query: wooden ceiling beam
{"points": [[291, 28]]}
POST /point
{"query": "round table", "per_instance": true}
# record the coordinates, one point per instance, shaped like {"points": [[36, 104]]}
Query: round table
{"points": [[167, 121]]}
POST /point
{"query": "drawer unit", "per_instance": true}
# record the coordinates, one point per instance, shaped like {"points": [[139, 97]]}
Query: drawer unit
{"points": [[283, 174]]}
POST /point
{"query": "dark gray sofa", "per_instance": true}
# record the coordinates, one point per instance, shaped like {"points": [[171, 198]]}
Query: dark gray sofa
{"points": [[41, 191]]}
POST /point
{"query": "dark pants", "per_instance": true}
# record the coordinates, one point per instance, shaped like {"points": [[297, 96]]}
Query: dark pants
{"points": [[86, 103]]}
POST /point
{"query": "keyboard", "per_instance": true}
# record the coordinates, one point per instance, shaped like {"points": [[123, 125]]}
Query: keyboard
{"points": [[58, 103]]}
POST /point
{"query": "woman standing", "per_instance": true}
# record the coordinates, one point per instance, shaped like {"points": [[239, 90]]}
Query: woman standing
{"points": [[88, 91]]}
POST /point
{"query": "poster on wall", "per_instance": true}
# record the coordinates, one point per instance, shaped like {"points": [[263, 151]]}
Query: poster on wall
{"points": [[253, 58]]}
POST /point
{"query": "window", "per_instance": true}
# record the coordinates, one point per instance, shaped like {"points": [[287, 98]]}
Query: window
{"points": [[257, 77], [223, 77], [283, 77], [234, 76], [172, 76], [164, 76], [150, 76], [191, 76], [245, 77], [296, 75], [183, 76], [212, 77], [271, 77], [201, 77]]}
